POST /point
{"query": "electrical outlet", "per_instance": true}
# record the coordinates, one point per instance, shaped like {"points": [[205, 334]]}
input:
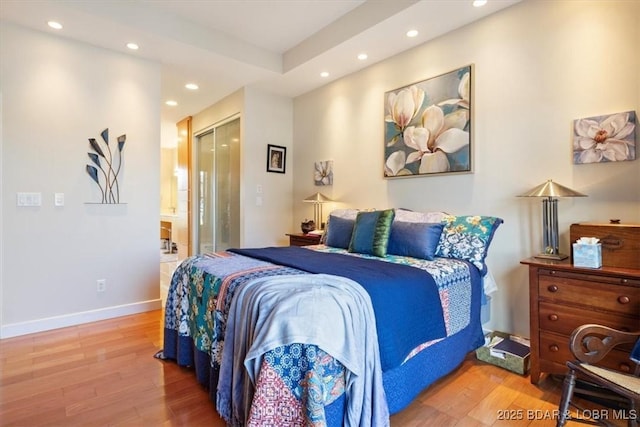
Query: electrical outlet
{"points": [[101, 285]]}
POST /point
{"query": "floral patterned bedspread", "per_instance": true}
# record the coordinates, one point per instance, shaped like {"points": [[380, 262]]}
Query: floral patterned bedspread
{"points": [[297, 381]]}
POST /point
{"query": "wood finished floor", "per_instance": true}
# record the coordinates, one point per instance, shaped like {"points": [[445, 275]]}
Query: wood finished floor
{"points": [[104, 374]]}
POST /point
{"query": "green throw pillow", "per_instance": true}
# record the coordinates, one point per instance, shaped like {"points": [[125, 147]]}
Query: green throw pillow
{"points": [[371, 232]]}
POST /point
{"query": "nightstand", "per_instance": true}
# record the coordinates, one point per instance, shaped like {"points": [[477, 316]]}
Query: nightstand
{"points": [[563, 297], [299, 239]]}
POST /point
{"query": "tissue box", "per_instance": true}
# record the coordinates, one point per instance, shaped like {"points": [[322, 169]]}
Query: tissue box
{"points": [[620, 242], [587, 255]]}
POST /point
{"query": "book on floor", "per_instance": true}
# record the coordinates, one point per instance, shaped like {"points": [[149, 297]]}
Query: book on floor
{"points": [[512, 347]]}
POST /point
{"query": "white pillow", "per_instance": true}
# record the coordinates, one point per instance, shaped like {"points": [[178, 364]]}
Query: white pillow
{"points": [[404, 215], [345, 213]]}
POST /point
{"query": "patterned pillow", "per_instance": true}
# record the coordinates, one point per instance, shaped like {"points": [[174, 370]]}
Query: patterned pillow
{"points": [[414, 239], [339, 234], [371, 232], [467, 238]]}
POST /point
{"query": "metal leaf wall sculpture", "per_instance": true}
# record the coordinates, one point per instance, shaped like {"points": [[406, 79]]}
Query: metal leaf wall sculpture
{"points": [[103, 160]]}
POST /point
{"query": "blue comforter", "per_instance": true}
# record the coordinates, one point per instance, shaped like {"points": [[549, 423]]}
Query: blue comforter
{"points": [[406, 315]]}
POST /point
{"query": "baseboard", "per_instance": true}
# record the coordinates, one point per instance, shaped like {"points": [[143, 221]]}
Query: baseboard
{"points": [[56, 322]]}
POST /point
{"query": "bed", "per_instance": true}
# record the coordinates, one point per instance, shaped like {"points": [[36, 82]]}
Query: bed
{"points": [[415, 282]]}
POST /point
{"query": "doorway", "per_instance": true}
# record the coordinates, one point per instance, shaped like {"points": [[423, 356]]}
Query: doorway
{"points": [[217, 181]]}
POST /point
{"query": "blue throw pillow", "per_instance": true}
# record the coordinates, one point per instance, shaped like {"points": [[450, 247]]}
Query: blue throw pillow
{"points": [[339, 232], [371, 232], [468, 238], [414, 239]]}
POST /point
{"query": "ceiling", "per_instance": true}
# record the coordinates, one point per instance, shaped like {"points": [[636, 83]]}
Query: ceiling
{"points": [[223, 45]]}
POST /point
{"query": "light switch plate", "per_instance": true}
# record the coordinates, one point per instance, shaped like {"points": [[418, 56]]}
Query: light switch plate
{"points": [[29, 199], [58, 199]]}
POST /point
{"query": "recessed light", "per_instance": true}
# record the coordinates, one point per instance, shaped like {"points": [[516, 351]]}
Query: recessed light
{"points": [[133, 46], [479, 3], [55, 25], [191, 86], [362, 56], [412, 33], [171, 103], [324, 74]]}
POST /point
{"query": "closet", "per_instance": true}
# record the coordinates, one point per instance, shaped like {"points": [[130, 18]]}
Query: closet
{"points": [[216, 187]]}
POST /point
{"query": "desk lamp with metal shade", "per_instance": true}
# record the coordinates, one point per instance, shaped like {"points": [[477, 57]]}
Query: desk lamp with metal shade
{"points": [[550, 191], [317, 199]]}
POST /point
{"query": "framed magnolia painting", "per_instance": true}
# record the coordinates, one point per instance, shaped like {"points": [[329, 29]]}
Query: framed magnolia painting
{"points": [[610, 138], [427, 126]]}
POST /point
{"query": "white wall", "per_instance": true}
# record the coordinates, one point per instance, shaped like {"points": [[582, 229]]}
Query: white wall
{"points": [[56, 94], [264, 119], [268, 120], [538, 66]]}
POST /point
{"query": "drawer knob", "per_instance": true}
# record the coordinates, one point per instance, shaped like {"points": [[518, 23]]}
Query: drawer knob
{"points": [[623, 299], [552, 288], [553, 317], [624, 367], [554, 348], [624, 281]]}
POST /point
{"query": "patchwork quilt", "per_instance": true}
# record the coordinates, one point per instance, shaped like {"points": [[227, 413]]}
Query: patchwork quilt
{"points": [[297, 381]]}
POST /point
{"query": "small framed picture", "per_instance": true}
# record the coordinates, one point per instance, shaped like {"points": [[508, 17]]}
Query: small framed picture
{"points": [[276, 158]]}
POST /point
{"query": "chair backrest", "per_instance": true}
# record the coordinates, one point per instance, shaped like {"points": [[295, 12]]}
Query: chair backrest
{"points": [[591, 343]]}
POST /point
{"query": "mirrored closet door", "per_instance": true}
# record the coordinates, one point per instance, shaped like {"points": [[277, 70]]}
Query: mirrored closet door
{"points": [[217, 188]]}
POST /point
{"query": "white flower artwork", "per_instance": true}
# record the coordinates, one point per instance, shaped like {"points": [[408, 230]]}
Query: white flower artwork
{"points": [[608, 138], [323, 172], [428, 126]]}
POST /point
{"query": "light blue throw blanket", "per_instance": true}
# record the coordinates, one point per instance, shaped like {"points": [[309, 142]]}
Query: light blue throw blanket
{"points": [[332, 312]]}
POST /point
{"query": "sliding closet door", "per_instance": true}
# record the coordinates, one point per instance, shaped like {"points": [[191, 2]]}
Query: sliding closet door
{"points": [[218, 188], [227, 189], [203, 208]]}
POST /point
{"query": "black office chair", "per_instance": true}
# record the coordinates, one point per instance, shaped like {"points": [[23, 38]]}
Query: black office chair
{"points": [[590, 344]]}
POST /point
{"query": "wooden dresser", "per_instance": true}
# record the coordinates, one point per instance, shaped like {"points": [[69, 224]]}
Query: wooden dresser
{"points": [[299, 239], [563, 297]]}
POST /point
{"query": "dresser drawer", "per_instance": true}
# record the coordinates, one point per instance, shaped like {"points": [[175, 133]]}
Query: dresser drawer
{"points": [[304, 239], [564, 319], [555, 348], [563, 297], [592, 295]]}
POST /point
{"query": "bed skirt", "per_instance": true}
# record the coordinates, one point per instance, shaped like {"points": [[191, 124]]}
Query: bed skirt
{"points": [[402, 384]]}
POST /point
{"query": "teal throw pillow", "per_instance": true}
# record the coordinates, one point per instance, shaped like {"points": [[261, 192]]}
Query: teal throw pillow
{"points": [[467, 238], [371, 232]]}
